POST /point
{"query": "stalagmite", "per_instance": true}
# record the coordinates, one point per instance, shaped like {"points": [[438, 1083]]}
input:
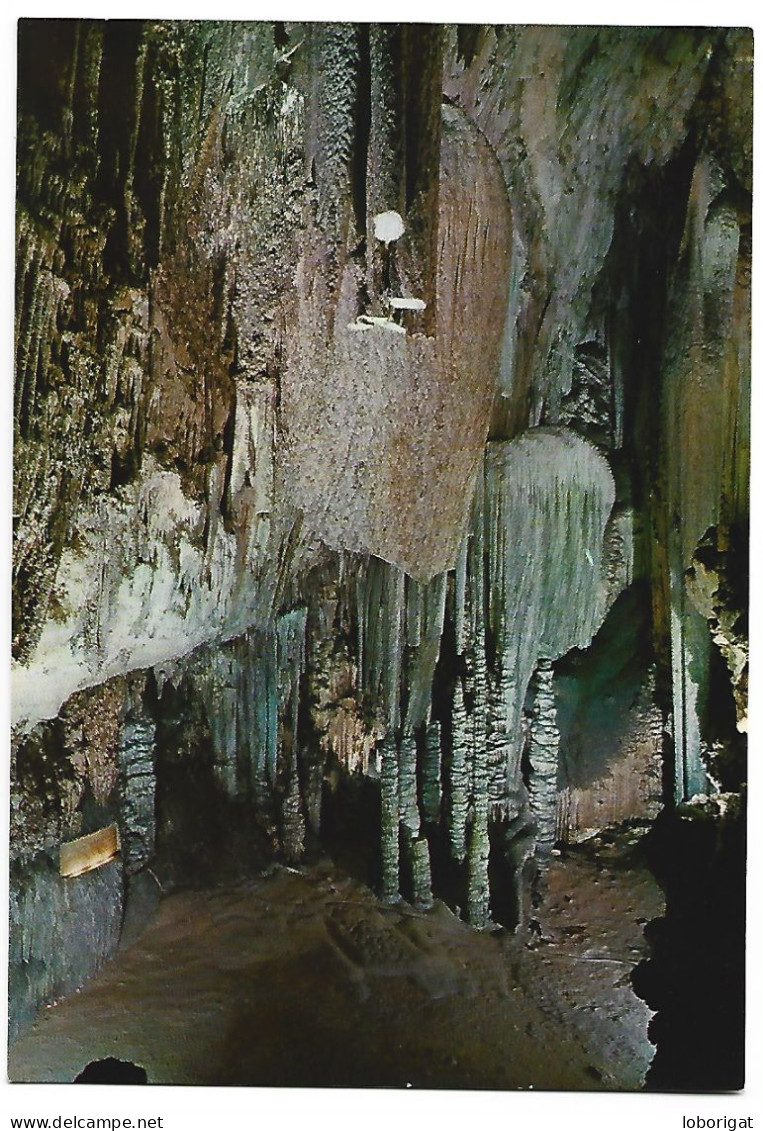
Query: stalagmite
{"points": [[421, 871], [409, 811], [478, 840], [137, 785], [544, 758], [431, 792], [499, 746], [459, 775], [477, 659], [291, 664], [390, 821], [415, 844], [293, 819]]}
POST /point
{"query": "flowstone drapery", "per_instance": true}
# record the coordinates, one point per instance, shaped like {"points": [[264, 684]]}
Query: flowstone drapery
{"points": [[453, 708]]}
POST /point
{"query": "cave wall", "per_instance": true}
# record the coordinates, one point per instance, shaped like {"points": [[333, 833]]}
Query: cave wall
{"points": [[381, 432]]}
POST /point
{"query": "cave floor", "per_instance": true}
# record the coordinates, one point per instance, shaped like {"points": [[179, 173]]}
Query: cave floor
{"points": [[304, 978]]}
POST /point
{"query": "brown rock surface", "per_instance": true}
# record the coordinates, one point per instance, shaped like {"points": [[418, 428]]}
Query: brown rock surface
{"points": [[305, 979], [385, 430]]}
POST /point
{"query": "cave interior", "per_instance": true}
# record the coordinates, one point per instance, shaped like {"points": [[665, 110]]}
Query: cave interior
{"points": [[380, 554]]}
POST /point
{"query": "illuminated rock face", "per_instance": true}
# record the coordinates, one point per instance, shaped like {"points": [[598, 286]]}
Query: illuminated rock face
{"points": [[372, 384]]}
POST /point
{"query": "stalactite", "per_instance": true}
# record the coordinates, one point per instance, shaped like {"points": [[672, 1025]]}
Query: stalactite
{"points": [[549, 494], [291, 662], [413, 613], [427, 628], [249, 693], [459, 603], [380, 590], [222, 688], [250, 690]]}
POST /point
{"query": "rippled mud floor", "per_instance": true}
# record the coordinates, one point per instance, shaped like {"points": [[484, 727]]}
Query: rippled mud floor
{"points": [[303, 978]]}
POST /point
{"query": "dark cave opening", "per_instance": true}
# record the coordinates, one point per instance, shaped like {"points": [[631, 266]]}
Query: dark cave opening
{"points": [[699, 1033], [112, 1071], [350, 822]]}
